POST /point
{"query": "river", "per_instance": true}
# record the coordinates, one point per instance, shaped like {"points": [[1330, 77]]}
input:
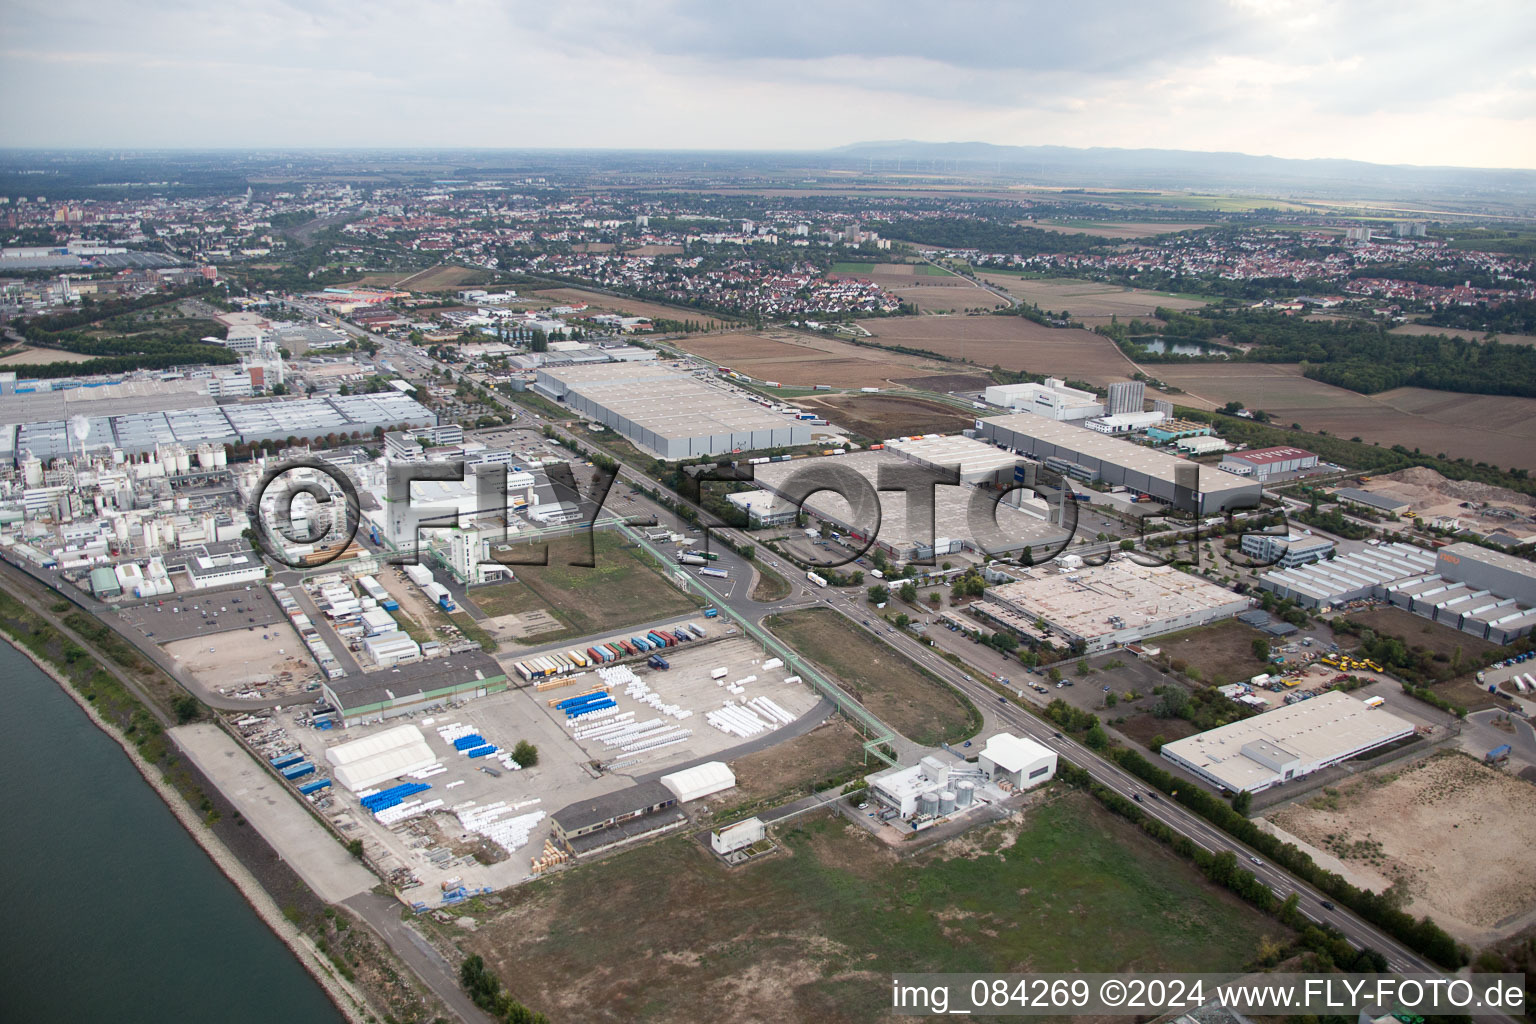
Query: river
{"points": [[115, 913]]}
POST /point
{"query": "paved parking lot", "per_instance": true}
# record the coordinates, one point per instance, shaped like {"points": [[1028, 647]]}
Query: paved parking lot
{"points": [[202, 613]]}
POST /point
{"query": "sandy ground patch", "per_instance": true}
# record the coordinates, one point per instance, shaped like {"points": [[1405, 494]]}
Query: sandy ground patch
{"points": [[240, 658], [1450, 831], [27, 356]]}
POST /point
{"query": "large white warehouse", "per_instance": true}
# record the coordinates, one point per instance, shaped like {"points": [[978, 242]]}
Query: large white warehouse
{"points": [[1286, 743]]}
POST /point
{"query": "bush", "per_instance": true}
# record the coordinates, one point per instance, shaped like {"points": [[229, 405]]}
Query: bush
{"points": [[525, 754]]}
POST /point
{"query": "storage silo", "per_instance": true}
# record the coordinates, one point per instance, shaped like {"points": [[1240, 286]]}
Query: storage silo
{"points": [[928, 803], [946, 801], [965, 793]]}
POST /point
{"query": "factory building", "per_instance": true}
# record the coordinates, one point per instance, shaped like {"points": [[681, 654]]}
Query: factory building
{"points": [[612, 819], [1120, 602], [1016, 526], [375, 696], [1264, 464], [1052, 400], [1201, 444], [1086, 455], [1286, 552], [1372, 499], [675, 415], [1287, 743], [1484, 593], [1349, 577], [1018, 761], [1490, 570], [976, 462], [1175, 430], [1126, 396]]}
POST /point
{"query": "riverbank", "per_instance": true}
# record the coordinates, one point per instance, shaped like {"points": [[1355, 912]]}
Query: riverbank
{"points": [[346, 996]]}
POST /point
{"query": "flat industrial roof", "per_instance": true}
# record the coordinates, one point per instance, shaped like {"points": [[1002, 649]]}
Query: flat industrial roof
{"points": [[666, 402], [1314, 731], [1124, 454], [1497, 559], [1082, 600], [1368, 567], [951, 512], [1265, 456], [965, 454]]}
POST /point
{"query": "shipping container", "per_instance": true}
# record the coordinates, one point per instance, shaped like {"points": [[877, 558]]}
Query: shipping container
{"points": [[710, 613]]}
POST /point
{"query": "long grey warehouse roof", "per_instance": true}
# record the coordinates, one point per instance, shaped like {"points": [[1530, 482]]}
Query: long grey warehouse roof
{"points": [[138, 432], [669, 412], [1487, 556], [1349, 576], [1136, 458]]}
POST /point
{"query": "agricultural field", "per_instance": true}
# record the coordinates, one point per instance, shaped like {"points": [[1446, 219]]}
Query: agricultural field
{"points": [[1423, 329], [1499, 429], [441, 278], [597, 302], [798, 360], [654, 250], [620, 590], [1092, 302], [932, 289], [1449, 831], [1011, 342], [878, 417], [920, 707], [1221, 653], [814, 931]]}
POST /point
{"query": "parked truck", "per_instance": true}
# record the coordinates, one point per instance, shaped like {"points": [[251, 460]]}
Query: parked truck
{"points": [[710, 613], [690, 560], [657, 661]]}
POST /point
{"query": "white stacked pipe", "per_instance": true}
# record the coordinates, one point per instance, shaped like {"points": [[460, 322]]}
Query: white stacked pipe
{"points": [[592, 716], [665, 739], [744, 681], [767, 706], [429, 771], [400, 812], [771, 664], [606, 726]]}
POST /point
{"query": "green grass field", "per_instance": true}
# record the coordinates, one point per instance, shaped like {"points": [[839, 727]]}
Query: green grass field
{"points": [[622, 589], [819, 928], [850, 267], [921, 707]]}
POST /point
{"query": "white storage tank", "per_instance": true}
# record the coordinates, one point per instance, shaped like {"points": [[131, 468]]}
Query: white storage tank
{"points": [[928, 804], [946, 801], [965, 794]]}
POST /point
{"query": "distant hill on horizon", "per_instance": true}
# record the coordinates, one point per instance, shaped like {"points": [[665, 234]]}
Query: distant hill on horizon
{"points": [[1165, 168]]}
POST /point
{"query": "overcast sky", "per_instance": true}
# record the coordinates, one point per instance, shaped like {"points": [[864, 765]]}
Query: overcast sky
{"points": [[1404, 81]]}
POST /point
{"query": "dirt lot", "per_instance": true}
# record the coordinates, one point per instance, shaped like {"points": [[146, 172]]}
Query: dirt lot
{"points": [[974, 383], [921, 708], [28, 356], [1011, 342], [1222, 653], [654, 250], [1451, 831], [1089, 301], [791, 769], [814, 931], [240, 658], [1417, 631], [1431, 494], [878, 417], [1494, 428], [1143, 727]]}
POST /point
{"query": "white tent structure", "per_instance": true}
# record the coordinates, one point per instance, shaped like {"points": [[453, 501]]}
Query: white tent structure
{"points": [[699, 781], [364, 763]]}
